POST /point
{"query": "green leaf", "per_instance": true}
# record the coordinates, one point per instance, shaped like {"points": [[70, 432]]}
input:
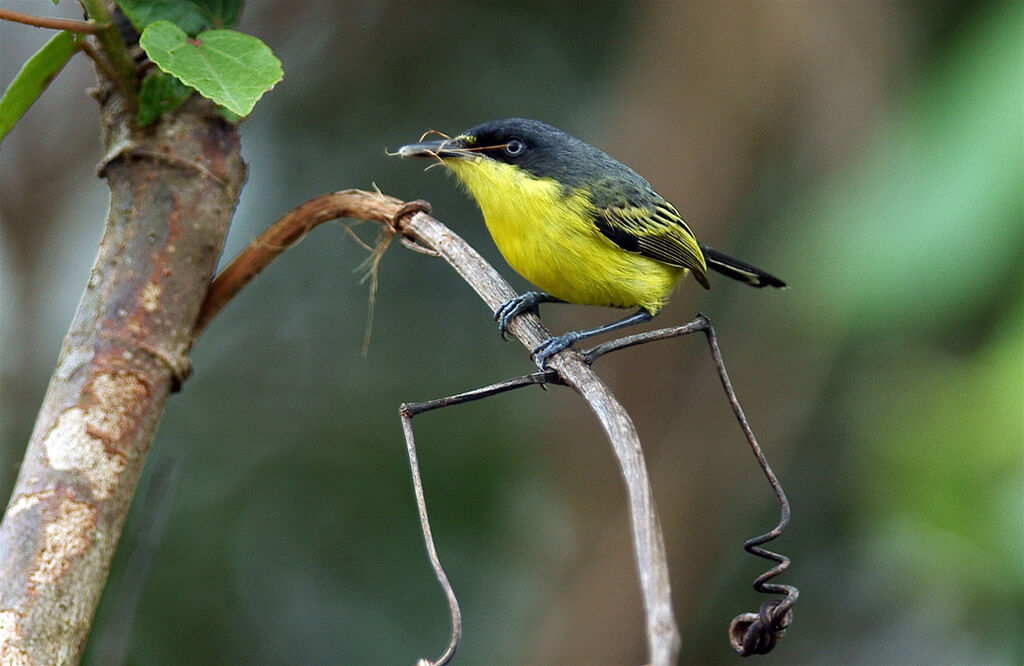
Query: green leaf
{"points": [[228, 67], [192, 16], [160, 93], [33, 78]]}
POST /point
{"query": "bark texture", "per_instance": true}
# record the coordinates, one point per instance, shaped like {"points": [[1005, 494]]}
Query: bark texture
{"points": [[173, 189]]}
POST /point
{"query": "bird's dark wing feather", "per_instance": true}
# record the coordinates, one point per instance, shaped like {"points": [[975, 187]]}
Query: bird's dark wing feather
{"points": [[648, 225]]}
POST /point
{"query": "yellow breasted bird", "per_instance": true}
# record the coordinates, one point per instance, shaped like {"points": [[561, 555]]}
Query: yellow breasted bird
{"points": [[577, 223]]}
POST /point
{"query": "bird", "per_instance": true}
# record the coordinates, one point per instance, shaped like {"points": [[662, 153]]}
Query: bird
{"points": [[578, 224]]}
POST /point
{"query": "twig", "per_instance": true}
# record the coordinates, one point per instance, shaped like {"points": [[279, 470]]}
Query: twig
{"points": [[758, 634], [428, 538], [71, 25], [537, 378], [412, 222], [700, 323], [288, 230], [749, 633], [113, 47], [406, 412]]}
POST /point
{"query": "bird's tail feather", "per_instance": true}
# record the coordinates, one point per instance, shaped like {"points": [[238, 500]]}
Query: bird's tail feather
{"points": [[739, 270]]}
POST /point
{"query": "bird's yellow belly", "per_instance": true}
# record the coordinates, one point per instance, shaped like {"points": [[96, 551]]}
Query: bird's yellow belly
{"points": [[549, 239], [583, 267]]}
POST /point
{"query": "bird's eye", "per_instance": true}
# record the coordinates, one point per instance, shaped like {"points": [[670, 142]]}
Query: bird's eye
{"points": [[514, 147]]}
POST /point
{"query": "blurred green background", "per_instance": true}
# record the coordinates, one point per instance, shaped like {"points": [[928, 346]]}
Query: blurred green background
{"points": [[870, 153]]}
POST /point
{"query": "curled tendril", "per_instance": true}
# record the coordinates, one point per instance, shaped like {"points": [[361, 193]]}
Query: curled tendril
{"points": [[749, 633], [757, 633]]}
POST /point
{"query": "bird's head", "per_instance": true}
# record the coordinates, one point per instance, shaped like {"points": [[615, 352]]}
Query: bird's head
{"points": [[511, 156]]}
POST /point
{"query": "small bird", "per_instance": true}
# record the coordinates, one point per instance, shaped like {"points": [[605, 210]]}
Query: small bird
{"points": [[577, 223]]}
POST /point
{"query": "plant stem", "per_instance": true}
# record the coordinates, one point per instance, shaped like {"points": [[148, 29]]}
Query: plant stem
{"points": [[82, 27], [113, 46]]}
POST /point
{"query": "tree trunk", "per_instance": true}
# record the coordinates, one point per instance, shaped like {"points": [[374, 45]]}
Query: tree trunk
{"points": [[173, 188]]}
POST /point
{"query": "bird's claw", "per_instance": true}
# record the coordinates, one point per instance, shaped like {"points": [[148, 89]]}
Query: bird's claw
{"points": [[552, 346], [513, 307]]}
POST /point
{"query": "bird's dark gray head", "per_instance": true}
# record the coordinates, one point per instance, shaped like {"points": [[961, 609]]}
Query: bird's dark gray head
{"points": [[538, 148]]}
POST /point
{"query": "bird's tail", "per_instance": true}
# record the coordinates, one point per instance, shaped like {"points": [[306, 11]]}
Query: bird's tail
{"points": [[739, 270]]}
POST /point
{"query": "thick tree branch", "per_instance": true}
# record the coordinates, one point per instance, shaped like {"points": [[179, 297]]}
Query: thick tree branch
{"points": [[417, 225]]}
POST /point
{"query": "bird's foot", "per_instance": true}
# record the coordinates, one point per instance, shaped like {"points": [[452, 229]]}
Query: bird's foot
{"points": [[515, 306], [553, 345]]}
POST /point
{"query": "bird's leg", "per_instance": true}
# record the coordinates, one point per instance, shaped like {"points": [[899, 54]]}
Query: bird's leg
{"points": [[560, 342], [526, 302]]}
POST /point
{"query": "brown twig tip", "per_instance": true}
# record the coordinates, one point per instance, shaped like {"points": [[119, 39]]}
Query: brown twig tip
{"points": [[430, 132]]}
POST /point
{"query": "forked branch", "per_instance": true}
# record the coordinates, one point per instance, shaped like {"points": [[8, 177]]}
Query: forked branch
{"points": [[749, 633], [570, 368]]}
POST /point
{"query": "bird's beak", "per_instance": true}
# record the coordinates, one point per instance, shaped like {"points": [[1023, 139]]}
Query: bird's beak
{"points": [[443, 148]]}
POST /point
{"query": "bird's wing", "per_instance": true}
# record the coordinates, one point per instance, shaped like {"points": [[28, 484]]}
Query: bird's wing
{"points": [[653, 229]]}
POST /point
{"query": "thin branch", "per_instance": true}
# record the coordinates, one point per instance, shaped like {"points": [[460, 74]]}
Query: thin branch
{"points": [[435, 562], [533, 379], [413, 222], [700, 323], [409, 410], [758, 635], [282, 234], [71, 25]]}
